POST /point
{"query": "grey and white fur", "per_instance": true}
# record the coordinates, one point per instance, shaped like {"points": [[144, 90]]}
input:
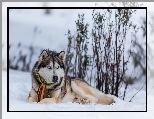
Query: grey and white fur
{"points": [[50, 66]]}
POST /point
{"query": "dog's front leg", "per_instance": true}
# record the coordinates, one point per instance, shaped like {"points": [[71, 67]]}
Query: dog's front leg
{"points": [[48, 100], [55, 98], [32, 96], [81, 101]]}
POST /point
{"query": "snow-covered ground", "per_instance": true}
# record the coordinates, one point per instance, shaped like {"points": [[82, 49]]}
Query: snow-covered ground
{"points": [[20, 85]]}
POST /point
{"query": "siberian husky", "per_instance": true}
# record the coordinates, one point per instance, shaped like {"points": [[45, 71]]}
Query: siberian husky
{"points": [[50, 85]]}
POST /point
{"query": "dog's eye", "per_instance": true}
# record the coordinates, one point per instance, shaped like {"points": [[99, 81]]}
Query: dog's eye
{"points": [[57, 67], [49, 67]]}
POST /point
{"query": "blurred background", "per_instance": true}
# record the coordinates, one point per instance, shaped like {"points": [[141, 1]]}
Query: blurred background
{"points": [[106, 47]]}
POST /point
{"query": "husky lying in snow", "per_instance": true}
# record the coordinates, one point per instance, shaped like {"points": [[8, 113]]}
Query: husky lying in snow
{"points": [[49, 84]]}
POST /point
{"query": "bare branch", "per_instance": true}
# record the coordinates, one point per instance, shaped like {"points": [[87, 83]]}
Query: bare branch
{"points": [[137, 92]]}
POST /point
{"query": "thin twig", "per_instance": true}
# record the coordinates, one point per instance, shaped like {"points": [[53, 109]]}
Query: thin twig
{"points": [[151, 90], [136, 93]]}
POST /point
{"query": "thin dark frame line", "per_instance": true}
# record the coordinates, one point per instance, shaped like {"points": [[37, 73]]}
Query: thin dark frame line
{"points": [[146, 60], [67, 8], [8, 59], [77, 7]]}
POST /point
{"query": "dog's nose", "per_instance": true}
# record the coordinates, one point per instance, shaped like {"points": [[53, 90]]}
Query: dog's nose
{"points": [[55, 79]]}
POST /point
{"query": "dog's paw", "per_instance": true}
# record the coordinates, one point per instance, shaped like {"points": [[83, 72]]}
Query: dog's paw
{"points": [[43, 102], [82, 101], [85, 101], [30, 100], [47, 101]]}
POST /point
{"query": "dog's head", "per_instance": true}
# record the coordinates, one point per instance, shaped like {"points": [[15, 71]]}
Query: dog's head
{"points": [[51, 66]]}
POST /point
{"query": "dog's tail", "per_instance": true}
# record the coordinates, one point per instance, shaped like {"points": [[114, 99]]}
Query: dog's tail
{"points": [[105, 99]]}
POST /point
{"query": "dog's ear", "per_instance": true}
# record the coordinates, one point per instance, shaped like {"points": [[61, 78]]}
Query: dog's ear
{"points": [[43, 55], [61, 55]]}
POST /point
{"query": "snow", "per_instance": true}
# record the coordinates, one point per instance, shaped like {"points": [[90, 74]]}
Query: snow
{"points": [[20, 85]]}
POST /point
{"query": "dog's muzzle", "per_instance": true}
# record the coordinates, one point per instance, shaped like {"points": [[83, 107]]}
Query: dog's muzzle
{"points": [[55, 79]]}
